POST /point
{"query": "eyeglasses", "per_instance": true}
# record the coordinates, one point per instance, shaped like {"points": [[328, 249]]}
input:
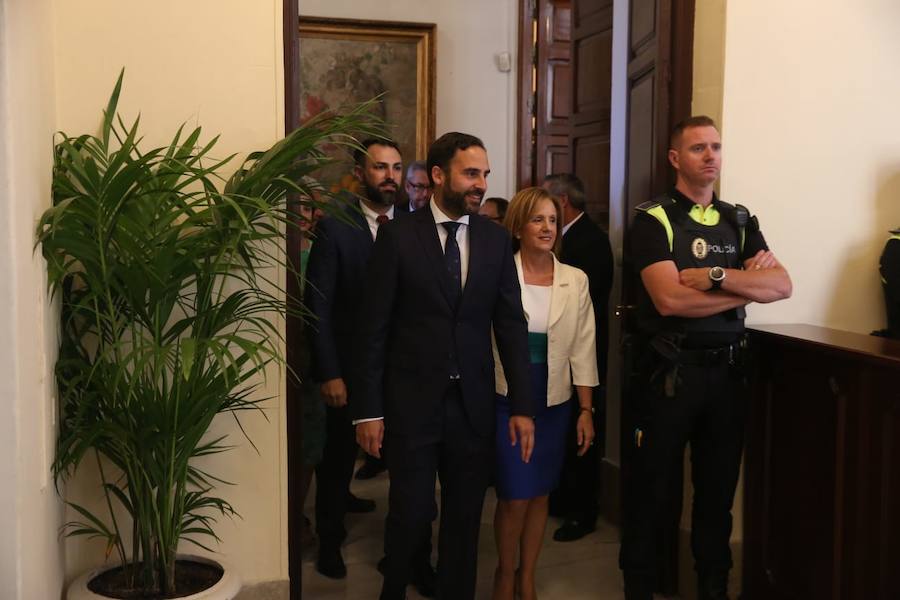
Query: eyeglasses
{"points": [[419, 187]]}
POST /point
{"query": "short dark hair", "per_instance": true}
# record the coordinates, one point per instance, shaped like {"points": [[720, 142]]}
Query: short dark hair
{"points": [[444, 148], [359, 154], [568, 184], [680, 126], [416, 165], [501, 203]]}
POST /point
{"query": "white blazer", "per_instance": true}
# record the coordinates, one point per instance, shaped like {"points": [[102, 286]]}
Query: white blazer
{"points": [[571, 336]]}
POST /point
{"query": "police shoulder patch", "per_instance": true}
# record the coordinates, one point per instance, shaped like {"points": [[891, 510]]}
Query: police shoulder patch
{"points": [[651, 204]]}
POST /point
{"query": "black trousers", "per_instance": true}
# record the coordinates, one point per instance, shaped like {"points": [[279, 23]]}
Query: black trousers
{"points": [[579, 483], [333, 476], [703, 406], [463, 461]]}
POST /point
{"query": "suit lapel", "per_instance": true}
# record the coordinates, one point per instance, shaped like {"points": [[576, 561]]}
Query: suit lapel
{"points": [[558, 294], [428, 237]]}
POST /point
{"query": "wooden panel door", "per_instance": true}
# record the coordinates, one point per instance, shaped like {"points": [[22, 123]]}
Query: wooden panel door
{"points": [[589, 133], [554, 95], [545, 88], [660, 53]]}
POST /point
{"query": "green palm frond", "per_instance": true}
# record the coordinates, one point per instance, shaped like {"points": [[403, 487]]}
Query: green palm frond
{"points": [[167, 274]]}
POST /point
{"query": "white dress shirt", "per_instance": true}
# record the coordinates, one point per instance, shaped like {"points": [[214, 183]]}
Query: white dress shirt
{"points": [[462, 237], [372, 217]]}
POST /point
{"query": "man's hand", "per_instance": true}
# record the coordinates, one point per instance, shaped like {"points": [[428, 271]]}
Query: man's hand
{"points": [[521, 431], [764, 259], [334, 392], [369, 435], [696, 278]]}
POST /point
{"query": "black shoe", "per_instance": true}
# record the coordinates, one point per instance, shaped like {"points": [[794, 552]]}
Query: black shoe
{"points": [[392, 591], [360, 505], [713, 587], [572, 530], [371, 468], [331, 563], [424, 579]]}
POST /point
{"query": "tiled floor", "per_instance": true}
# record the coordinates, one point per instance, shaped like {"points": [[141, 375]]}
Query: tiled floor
{"points": [[586, 569]]}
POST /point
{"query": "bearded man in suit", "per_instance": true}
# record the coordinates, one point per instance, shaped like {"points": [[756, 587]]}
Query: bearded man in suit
{"points": [[437, 283]]}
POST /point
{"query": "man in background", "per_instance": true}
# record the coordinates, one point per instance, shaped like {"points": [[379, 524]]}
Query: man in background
{"points": [[417, 186], [585, 246], [333, 293], [494, 208]]}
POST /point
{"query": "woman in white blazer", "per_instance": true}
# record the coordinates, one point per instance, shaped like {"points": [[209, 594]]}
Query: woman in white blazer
{"points": [[562, 343]]}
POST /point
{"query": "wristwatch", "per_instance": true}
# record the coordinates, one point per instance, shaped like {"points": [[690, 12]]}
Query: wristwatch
{"points": [[716, 276]]}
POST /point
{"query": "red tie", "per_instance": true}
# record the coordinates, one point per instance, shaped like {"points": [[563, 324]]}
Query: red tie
{"points": [[382, 219]]}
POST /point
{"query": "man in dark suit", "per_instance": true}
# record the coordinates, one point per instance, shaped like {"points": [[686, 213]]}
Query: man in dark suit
{"points": [[436, 284], [585, 246], [418, 193], [333, 293]]}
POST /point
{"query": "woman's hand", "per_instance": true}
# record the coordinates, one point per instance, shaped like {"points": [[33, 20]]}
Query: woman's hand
{"points": [[585, 431]]}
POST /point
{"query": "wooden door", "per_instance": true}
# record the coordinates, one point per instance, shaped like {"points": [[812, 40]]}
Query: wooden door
{"points": [[592, 36], [545, 90], [660, 54]]}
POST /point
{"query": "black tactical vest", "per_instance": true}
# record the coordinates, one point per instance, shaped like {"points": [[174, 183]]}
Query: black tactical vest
{"points": [[698, 245]]}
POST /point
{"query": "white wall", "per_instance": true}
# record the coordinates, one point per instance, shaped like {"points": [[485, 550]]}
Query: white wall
{"points": [[217, 63], [812, 144], [472, 95], [31, 558]]}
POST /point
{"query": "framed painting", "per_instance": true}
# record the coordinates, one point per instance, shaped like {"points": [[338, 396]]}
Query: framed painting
{"points": [[345, 61]]}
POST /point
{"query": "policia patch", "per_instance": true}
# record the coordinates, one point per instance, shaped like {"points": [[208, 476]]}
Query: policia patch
{"points": [[700, 248]]}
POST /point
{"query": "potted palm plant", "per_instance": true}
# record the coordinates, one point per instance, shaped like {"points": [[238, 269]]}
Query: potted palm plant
{"points": [[170, 315]]}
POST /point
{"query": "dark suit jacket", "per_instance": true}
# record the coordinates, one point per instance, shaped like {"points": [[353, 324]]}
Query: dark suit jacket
{"points": [[586, 247], [333, 293], [410, 330]]}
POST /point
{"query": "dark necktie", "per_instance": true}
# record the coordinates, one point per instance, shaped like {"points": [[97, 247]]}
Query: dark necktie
{"points": [[382, 219], [453, 261]]}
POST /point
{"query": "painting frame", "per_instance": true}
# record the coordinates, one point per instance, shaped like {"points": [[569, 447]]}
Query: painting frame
{"points": [[366, 31]]}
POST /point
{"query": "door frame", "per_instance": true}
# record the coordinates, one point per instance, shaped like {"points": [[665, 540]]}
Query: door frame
{"points": [[293, 323]]}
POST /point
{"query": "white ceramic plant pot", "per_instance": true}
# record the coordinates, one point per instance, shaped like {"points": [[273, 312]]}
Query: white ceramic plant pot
{"points": [[225, 589]]}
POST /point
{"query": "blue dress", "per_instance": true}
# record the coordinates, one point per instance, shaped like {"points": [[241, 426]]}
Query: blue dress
{"points": [[516, 480]]}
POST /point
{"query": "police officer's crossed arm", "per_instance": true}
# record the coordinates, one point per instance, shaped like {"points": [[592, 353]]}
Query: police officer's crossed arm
{"points": [[672, 298], [763, 279], [653, 258]]}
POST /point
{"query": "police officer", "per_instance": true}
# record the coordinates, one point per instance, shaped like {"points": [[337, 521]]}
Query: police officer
{"points": [[700, 262], [889, 266]]}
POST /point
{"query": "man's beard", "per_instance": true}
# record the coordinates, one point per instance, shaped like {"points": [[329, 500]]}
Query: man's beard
{"points": [[456, 201], [381, 195]]}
